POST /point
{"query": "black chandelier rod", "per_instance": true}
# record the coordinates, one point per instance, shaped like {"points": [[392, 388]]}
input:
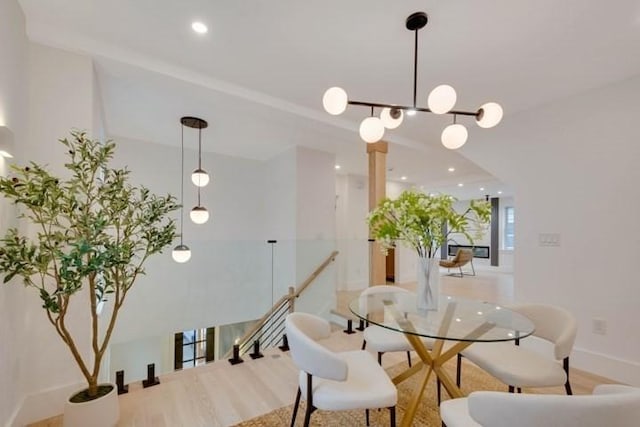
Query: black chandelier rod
{"points": [[407, 107], [415, 68]]}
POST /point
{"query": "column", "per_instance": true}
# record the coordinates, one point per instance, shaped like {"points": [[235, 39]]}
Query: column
{"points": [[377, 153]]}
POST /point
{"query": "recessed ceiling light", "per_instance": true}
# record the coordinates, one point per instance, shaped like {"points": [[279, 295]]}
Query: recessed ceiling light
{"points": [[451, 169], [337, 166], [411, 112], [199, 27], [404, 178], [481, 188], [499, 192], [460, 184]]}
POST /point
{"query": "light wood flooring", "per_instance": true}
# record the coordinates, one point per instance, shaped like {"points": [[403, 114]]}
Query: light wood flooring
{"points": [[219, 394]]}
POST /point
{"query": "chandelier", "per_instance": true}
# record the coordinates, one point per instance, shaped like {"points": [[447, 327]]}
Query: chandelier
{"points": [[441, 100]]}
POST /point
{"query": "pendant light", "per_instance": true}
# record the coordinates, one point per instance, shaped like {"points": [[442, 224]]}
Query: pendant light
{"points": [[199, 177], [181, 253], [199, 214]]}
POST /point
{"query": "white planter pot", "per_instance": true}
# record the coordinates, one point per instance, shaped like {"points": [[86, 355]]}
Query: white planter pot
{"points": [[428, 289], [101, 412]]}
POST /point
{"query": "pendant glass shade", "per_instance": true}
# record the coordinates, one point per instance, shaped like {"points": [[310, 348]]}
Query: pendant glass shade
{"points": [[200, 177], [489, 115], [335, 101], [371, 129], [199, 215], [181, 253], [442, 99], [454, 136], [391, 117]]}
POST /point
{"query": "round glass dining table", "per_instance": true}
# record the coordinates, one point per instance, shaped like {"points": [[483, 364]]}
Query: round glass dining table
{"points": [[456, 324]]}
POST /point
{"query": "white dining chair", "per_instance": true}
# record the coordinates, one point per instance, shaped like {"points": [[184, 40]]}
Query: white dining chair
{"points": [[610, 405], [382, 340], [518, 366], [335, 381]]}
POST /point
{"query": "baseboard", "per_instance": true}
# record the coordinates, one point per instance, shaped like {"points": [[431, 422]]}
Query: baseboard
{"points": [[624, 371], [11, 422], [43, 404]]}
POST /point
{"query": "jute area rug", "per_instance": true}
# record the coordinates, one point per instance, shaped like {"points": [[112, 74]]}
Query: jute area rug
{"points": [[427, 414]]}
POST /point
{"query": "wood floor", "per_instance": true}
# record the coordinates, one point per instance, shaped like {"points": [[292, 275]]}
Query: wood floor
{"points": [[219, 394]]}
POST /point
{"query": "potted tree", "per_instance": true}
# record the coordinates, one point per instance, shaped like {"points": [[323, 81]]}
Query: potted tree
{"points": [[86, 238], [424, 222]]}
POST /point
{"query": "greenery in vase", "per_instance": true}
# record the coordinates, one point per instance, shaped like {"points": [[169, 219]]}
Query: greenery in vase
{"points": [[418, 220], [91, 231]]}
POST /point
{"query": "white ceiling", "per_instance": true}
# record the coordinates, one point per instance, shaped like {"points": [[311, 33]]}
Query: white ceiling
{"points": [[259, 74]]}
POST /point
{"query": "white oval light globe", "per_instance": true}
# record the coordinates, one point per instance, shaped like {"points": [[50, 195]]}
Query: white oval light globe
{"points": [[388, 121], [335, 100], [200, 178], [442, 99], [181, 253], [199, 215], [490, 115], [454, 136], [371, 129]]}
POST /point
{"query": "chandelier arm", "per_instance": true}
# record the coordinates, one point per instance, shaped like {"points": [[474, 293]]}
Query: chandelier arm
{"points": [[406, 107]]}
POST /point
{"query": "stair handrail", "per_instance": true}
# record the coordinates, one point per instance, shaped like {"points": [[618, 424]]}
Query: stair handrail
{"points": [[288, 298]]}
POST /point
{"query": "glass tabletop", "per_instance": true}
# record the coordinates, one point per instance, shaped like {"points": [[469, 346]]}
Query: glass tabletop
{"points": [[455, 319]]}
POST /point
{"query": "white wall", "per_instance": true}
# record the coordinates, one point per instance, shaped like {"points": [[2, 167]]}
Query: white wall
{"points": [[13, 115], [352, 232], [573, 165]]}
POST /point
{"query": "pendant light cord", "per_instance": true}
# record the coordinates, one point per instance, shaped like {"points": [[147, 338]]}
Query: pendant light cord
{"points": [[199, 160], [181, 182]]}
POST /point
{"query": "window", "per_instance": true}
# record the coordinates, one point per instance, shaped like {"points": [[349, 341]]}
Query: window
{"points": [[194, 348], [509, 227]]}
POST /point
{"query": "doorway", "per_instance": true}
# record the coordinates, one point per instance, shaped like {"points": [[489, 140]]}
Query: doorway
{"points": [[391, 266]]}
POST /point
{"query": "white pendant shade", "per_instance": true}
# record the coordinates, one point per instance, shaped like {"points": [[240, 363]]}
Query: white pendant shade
{"points": [[200, 178], [335, 100], [199, 215], [181, 254], [388, 121], [371, 129], [491, 114], [454, 136], [442, 99]]}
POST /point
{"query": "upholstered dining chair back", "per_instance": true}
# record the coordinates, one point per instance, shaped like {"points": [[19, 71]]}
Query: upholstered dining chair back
{"points": [[554, 324], [302, 332], [378, 289], [611, 405]]}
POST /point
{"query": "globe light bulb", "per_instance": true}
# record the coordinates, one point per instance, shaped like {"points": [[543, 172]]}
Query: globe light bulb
{"points": [[181, 254], [489, 115], [371, 129], [454, 136], [200, 177], [335, 100], [442, 99], [391, 117], [199, 215]]}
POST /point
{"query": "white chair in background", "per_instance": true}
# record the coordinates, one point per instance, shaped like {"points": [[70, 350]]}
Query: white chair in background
{"points": [[383, 340], [518, 366], [610, 405], [335, 381]]}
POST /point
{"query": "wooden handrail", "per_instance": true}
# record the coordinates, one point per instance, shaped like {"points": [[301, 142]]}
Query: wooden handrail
{"points": [[290, 297]]}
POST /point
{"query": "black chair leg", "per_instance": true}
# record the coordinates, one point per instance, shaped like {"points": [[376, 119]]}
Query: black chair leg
{"points": [[519, 390], [295, 407], [439, 385], [567, 385], [380, 359], [366, 416], [307, 415], [458, 370], [392, 416], [409, 358], [364, 344], [511, 388]]}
